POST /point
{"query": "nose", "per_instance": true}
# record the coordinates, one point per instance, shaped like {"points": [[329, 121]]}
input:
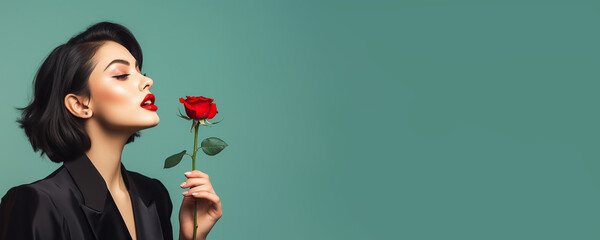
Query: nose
{"points": [[145, 83]]}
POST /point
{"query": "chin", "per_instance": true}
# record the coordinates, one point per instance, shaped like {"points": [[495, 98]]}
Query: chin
{"points": [[154, 122], [149, 123]]}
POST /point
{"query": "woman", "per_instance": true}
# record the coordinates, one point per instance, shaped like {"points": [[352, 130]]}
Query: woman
{"points": [[90, 100]]}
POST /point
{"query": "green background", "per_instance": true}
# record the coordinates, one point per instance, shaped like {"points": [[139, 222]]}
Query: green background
{"points": [[353, 119]]}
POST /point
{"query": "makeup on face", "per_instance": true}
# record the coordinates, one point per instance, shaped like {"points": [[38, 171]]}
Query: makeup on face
{"points": [[148, 102], [120, 91]]}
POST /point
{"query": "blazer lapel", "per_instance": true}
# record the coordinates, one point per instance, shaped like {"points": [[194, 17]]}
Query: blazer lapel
{"points": [[103, 216], [147, 221]]}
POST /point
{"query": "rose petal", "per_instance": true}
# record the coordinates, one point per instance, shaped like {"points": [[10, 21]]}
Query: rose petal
{"points": [[213, 111], [189, 109]]}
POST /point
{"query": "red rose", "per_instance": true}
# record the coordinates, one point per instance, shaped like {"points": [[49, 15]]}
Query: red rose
{"points": [[199, 107]]}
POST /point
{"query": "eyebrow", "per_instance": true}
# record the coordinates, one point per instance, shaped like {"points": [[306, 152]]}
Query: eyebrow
{"points": [[118, 61]]}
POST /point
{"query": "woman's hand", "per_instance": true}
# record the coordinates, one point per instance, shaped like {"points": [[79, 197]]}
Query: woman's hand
{"points": [[208, 206]]}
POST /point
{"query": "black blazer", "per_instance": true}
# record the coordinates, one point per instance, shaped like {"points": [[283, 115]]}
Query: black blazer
{"points": [[74, 203]]}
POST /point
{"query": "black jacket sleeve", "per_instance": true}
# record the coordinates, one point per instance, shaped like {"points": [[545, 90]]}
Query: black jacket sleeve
{"points": [[27, 213], [165, 208]]}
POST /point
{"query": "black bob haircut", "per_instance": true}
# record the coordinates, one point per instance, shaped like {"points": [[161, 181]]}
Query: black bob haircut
{"points": [[48, 124]]}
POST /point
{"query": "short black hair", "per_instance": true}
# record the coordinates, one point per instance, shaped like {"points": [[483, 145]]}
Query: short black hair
{"points": [[48, 124]]}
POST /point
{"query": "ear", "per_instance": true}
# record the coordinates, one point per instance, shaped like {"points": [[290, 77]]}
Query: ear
{"points": [[75, 105]]}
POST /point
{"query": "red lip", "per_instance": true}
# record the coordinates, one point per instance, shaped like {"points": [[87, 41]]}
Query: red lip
{"points": [[150, 106]]}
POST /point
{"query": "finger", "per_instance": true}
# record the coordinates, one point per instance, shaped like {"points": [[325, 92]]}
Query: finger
{"points": [[210, 196], [195, 173], [202, 188], [192, 182]]}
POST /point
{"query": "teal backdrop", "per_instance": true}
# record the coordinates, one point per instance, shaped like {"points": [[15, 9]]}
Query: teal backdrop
{"points": [[353, 119]]}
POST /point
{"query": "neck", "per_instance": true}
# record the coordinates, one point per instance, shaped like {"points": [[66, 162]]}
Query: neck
{"points": [[105, 154]]}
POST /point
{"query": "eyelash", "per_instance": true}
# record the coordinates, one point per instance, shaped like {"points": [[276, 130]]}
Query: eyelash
{"points": [[122, 76]]}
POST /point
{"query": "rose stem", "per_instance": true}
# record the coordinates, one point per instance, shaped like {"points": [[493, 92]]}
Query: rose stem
{"points": [[194, 168]]}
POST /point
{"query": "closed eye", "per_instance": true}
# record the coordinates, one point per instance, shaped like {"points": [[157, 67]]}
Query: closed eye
{"points": [[122, 76]]}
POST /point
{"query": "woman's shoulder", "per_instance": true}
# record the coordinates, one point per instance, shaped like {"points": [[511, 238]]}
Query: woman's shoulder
{"points": [[42, 188], [24, 192], [31, 199], [29, 210]]}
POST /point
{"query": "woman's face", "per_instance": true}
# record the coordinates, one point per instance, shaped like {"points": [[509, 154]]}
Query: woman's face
{"points": [[118, 90]]}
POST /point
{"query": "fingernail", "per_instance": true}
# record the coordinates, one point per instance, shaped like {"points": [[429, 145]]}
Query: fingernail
{"points": [[184, 193], [195, 193], [183, 184], [187, 173]]}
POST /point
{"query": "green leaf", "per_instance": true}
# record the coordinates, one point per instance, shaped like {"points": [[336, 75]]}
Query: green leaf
{"points": [[212, 145], [174, 159]]}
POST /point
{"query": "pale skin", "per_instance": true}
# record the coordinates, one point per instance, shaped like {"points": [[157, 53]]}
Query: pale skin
{"points": [[114, 114]]}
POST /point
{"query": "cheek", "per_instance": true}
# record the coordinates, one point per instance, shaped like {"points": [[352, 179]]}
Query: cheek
{"points": [[112, 93], [113, 96]]}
